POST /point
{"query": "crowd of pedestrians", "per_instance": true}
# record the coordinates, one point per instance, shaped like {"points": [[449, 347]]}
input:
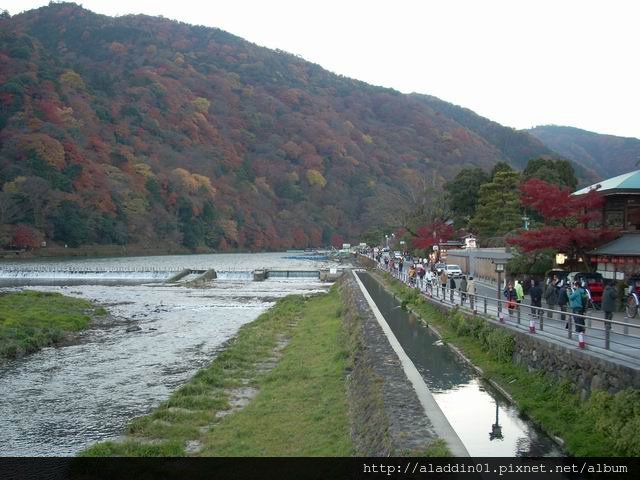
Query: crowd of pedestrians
{"points": [[424, 275], [559, 295]]}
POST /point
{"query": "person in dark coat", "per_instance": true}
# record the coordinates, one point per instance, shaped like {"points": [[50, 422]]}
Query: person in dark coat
{"points": [[551, 295], [609, 297], [511, 296], [563, 300], [452, 288], [536, 298]]}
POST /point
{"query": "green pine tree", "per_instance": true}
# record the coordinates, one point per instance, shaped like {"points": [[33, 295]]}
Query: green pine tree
{"points": [[498, 210]]}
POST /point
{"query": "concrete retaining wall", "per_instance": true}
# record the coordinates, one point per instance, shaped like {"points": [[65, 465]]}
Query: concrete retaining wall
{"points": [[387, 418], [585, 372]]}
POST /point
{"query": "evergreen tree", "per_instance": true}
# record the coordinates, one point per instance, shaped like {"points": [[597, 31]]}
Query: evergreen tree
{"points": [[462, 194], [498, 210], [557, 172], [500, 167]]}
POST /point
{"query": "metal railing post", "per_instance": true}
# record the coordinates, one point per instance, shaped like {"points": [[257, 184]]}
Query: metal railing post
{"points": [[519, 315], [607, 335], [485, 304]]}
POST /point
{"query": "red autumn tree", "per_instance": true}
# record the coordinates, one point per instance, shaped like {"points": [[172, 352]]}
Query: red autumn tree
{"points": [[432, 234], [25, 237], [569, 222]]}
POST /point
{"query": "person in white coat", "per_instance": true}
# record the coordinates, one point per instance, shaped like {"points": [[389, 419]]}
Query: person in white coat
{"points": [[471, 293]]}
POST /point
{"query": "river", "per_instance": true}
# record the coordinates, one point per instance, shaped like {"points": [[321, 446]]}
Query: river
{"points": [[62, 399]]}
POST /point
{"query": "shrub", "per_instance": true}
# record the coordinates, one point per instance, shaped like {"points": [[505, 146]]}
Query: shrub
{"points": [[617, 417]]}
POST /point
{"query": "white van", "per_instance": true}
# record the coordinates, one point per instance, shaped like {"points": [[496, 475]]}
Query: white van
{"points": [[453, 271]]}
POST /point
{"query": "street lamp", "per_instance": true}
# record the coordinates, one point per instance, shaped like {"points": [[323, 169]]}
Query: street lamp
{"points": [[496, 428], [499, 269], [560, 258]]}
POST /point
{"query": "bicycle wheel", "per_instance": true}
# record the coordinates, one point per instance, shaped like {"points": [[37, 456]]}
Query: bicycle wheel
{"points": [[632, 306]]}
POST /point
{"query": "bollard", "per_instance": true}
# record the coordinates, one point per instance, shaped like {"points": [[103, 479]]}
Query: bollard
{"points": [[581, 342], [532, 325]]}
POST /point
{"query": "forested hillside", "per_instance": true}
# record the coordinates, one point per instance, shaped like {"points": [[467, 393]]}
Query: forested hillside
{"points": [[142, 130], [607, 155]]}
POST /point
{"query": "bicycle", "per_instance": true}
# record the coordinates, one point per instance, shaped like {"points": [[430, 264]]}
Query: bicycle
{"points": [[633, 298], [633, 302]]}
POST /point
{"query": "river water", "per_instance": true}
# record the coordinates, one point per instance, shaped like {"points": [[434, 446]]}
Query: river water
{"points": [[62, 399], [486, 422]]}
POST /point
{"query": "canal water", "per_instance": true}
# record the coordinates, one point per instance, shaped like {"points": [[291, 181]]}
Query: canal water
{"points": [[486, 422], [62, 399]]}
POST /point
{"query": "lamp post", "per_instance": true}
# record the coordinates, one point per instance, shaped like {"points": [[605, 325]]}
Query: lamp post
{"points": [[499, 269], [496, 428]]}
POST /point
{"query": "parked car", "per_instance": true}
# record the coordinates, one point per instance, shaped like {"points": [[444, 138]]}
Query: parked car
{"points": [[453, 271], [439, 267]]}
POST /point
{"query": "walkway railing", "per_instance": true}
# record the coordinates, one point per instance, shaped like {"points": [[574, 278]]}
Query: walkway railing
{"points": [[616, 339]]}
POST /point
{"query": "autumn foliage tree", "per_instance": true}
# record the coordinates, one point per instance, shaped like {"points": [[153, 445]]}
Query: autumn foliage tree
{"points": [[25, 237], [570, 223], [432, 234]]}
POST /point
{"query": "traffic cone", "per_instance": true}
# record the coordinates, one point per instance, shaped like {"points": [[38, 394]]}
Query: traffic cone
{"points": [[581, 343], [532, 326]]}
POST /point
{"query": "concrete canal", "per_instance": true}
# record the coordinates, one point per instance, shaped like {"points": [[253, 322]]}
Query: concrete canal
{"points": [[485, 421]]}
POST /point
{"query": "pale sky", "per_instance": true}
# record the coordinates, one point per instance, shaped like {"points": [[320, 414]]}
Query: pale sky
{"points": [[520, 63]]}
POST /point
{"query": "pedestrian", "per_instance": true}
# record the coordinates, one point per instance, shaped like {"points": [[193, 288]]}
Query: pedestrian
{"points": [[577, 301], [511, 296], [551, 295], [412, 276], [463, 289], [452, 288], [444, 279], [471, 292], [536, 298], [609, 297], [517, 286], [400, 265], [421, 273], [563, 300]]}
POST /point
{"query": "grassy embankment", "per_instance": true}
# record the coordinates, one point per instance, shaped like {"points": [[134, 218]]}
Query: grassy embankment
{"points": [[604, 425], [32, 320], [300, 408]]}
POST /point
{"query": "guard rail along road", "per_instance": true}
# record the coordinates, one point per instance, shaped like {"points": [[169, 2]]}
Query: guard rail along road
{"points": [[617, 340]]}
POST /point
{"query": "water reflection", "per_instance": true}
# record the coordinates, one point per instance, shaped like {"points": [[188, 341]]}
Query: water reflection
{"points": [[472, 407]]}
